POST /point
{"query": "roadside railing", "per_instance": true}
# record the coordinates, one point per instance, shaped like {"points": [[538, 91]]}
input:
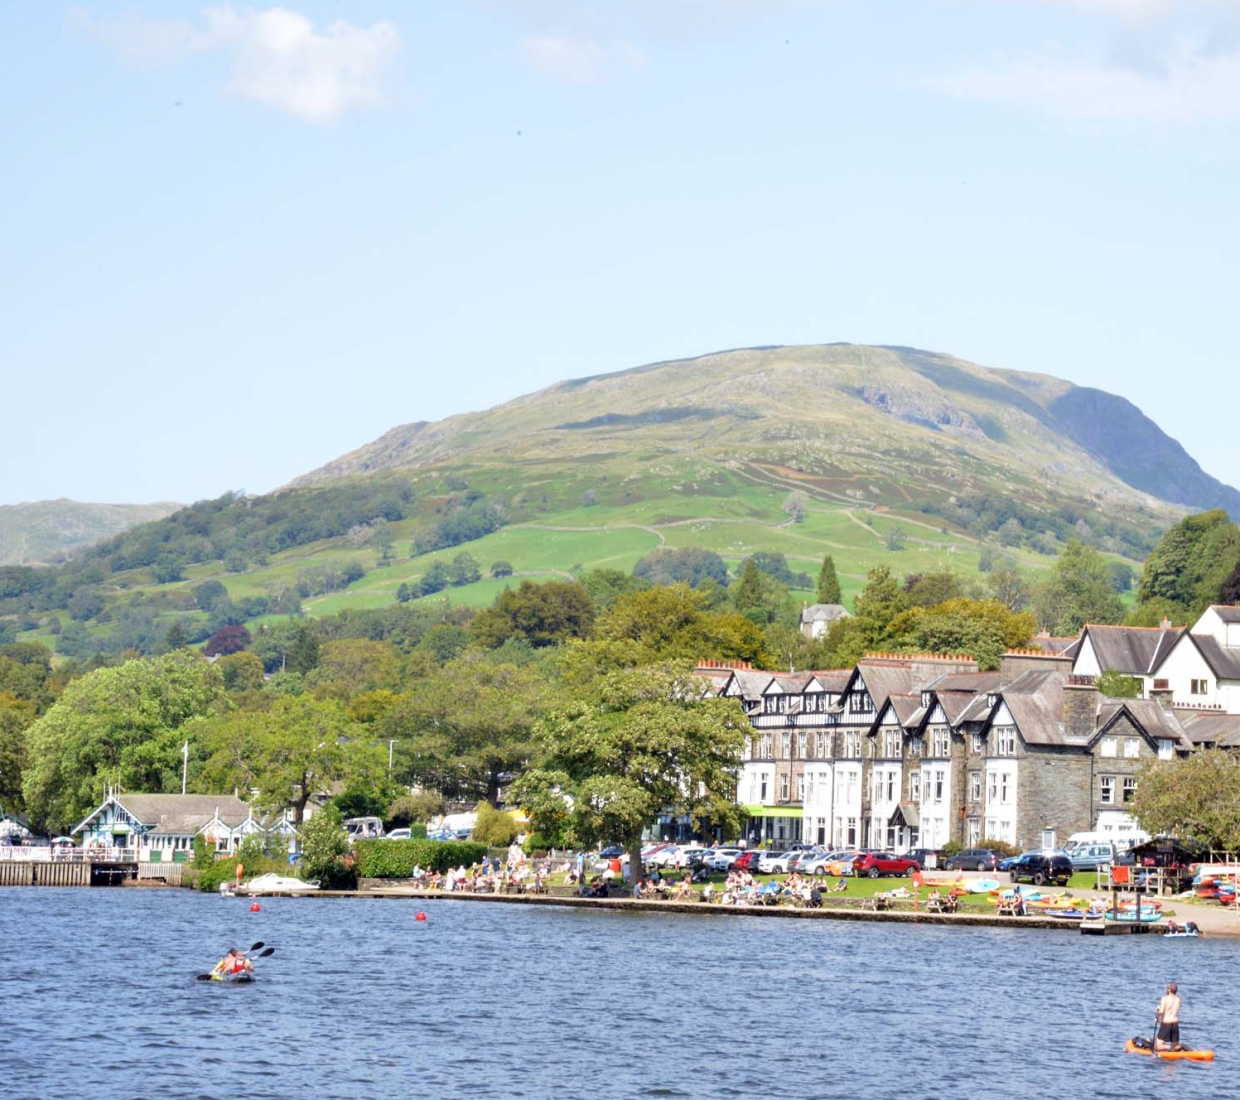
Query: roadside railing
{"points": [[61, 854]]}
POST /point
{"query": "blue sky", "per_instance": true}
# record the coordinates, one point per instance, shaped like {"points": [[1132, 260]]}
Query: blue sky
{"points": [[240, 241]]}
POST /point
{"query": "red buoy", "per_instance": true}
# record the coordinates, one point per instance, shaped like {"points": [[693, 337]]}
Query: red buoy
{"points": [[256, 908], [420, 916]]}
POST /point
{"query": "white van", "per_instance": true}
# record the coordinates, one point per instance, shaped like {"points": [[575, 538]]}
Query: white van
{"points": [[1122, 841]]}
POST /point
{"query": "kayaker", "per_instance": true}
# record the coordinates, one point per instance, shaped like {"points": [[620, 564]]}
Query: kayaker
{"points": [[232, 964], [1167, 1015]]}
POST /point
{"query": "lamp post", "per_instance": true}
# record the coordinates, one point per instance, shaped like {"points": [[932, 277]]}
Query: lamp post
{"points": [[390, 744]]}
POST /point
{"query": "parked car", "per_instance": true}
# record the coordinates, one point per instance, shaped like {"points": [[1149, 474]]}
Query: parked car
{"points": [[748, 861], [876, 864], [926, 857], [817, 863], [798, 860], [842, 864], [1091, 857], [664, 857], [1041, 868], [400, 834], [774, 863], [723, 858], [974, 859]]}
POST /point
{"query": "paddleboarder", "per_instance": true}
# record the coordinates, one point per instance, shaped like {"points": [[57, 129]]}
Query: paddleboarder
{"points": [[1167, 1015]]}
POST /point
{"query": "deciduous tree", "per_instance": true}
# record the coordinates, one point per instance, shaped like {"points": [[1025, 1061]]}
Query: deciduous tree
{"points": [[629, 747], [1198, 796], [120, 726]]}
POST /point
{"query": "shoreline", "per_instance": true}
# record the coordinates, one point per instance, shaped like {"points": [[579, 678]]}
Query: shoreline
{"points": [[632, 905], [1210, 928]]}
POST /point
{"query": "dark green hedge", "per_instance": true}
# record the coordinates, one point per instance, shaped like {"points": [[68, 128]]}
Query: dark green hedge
{"points": [[397, 858]]}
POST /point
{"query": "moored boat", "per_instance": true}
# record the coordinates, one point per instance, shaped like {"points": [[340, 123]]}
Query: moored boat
{"points": [[276, 884]]}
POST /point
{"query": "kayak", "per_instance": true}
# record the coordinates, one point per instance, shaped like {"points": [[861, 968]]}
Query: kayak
{"points": [[1172, 1055], [233, 979]]}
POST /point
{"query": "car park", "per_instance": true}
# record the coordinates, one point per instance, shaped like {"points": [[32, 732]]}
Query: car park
{"points": [[1041, 868], [876, 864], [974, 859]]}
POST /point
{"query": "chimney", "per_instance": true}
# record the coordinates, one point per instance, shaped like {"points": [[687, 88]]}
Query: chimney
{"points": [[1015, 661], [1162, 693], [1165, 624], [1080, 707]]}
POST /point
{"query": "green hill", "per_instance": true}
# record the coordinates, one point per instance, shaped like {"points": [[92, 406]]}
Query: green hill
{"points": [[50, 530], [873, 454]]}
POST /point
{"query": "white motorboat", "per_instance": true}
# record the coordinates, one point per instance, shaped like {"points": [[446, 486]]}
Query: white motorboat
{"points": [[276, 884]]}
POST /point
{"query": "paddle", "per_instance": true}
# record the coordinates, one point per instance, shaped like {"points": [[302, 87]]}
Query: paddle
{"points": [[261, 955]]}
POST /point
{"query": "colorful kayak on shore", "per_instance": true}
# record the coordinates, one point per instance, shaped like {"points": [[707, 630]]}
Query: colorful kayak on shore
{"points": [[981, 885], [1170, 1055]]}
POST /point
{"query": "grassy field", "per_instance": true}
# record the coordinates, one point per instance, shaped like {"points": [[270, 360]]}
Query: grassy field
{"points": [[554, 534]]}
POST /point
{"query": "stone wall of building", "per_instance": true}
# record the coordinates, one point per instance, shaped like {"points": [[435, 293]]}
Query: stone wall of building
{"points": [[1052, 793]]}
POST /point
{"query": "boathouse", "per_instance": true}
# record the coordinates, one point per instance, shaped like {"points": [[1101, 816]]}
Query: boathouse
{"points": [[162, 827]]}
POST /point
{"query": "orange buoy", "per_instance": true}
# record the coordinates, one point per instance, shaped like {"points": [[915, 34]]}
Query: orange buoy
{"points": [[256, 908], [420, 916]]}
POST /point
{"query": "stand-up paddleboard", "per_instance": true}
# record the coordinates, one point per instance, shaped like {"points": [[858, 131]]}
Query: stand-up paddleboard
{"points": [[1171, 1055]]}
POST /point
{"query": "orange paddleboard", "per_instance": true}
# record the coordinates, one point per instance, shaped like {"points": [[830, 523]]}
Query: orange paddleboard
{"points": [[1172, 1055]]}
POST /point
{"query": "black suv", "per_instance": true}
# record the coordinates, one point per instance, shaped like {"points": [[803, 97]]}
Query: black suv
{"points": [[1041, 868]]}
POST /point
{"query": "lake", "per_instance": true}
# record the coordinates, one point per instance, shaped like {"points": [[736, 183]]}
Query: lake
{"points": [[362, 1001]]}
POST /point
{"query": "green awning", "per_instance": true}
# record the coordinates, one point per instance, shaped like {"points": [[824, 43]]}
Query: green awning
{"points": [[773, 811]]}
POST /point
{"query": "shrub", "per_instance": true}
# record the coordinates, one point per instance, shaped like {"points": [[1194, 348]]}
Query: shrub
{"points": [[494, 828], [398, 858], [325, 850]]}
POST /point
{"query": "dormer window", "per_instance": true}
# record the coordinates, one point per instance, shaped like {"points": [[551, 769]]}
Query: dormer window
{"points": [[926, 696], [1166, 750], [992, 699]]}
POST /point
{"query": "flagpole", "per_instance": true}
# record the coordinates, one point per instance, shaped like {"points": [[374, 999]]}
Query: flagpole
{"points": [[184, 765]]}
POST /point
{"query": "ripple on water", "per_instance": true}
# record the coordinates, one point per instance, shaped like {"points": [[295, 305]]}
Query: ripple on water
{"points": [[516, 1001]]}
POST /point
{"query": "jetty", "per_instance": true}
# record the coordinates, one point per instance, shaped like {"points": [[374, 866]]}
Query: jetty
{"points": [[65, 866]]}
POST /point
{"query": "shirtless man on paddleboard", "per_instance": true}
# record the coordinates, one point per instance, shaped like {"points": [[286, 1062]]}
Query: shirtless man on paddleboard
{"points": [[1168, 1016]]}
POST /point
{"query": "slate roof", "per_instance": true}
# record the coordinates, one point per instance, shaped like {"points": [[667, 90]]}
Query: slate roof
{"points": [[955, 703], [792, 683], [752, 683], [180, 814], [884, 680], [1211, 728], [1051, 644], [833, 680], [971, 682], [906, 707], [1159, 723], [1035, 701], [1132, 650], [1228, 613], [1224, 661]]}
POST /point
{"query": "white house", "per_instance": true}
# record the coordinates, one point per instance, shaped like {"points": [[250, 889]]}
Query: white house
{"points": [[816, 619], [1203, 668], [162, 827], [1136, 651]]}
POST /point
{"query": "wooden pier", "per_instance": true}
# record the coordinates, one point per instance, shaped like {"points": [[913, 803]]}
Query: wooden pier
{"points": [[39, 873]]}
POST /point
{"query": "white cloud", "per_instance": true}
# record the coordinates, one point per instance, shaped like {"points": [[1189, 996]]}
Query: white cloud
{"points": [[1189, 83], [278, 57], [577, 60]]}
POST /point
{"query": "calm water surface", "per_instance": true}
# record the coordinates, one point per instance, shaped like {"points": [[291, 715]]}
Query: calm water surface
{"points": [[482, 1000]]}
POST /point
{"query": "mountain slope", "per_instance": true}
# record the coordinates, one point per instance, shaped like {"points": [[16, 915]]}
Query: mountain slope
{"points": [[843, 409], [50, 530]]}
